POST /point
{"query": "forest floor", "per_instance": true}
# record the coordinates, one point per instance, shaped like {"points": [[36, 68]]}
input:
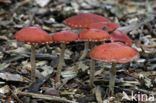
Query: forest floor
{"points": [[135, 81]]}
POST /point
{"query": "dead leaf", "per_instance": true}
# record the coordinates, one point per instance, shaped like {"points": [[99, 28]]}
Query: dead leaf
{"points": [[98, 94], [82, 66], [5, 89], [130, 83], [119, 10], [148, 82], [3, 38], [46, 70], [41, 63], [42, 3], [3, 66], [12, 77], [19, 50], [68, 74]]}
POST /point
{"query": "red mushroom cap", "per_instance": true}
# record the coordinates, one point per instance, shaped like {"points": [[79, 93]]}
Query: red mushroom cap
{"points": [[82, 20], [114, 53], [110, 26], [93, 35], [64, 36], [33, 35], [119, 36]]}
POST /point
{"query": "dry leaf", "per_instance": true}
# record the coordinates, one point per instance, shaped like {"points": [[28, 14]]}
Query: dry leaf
{"points": [[42, 3], [5, 89], [98, 94], [12, 77]]}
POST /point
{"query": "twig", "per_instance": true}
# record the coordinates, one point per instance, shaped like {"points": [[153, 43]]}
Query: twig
{"points": [[46, 97], [38, 56], [148, 46], [114, 2], [145, 91], [98, 94]]}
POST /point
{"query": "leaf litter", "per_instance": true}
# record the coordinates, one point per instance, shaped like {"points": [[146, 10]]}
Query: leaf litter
{"points": [[136, 18]]}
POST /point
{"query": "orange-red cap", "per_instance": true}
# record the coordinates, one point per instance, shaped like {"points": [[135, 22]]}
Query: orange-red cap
{"points": [[114, 53], [93, 35], [33, 35], [64, 36], [109, 25], [82, 20], [119, 36]]}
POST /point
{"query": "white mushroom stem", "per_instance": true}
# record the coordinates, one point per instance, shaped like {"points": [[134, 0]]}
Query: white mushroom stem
{"points": [[61, 59], [86, 45], [85, 50], [112, 78], [92, 68], [33, 64], [103, 63]]}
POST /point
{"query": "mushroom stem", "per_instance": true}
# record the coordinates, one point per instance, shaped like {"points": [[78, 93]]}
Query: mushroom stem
{"points": [[92, 69], [33, 64], [112, 78], [103, 63], [85, 51], [59, 68]]}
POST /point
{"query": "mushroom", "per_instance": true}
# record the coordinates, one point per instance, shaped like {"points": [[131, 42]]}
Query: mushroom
{"points": [[82, 21], [119, 36], [93, 35], [63, 37], [100, 25], [114, 53], [33, 35]]}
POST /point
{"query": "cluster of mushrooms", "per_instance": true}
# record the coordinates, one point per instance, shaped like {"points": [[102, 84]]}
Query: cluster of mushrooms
{"points": [[94, 28]]}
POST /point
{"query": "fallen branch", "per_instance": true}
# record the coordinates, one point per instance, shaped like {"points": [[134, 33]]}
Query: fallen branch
{"points": [[112, 2], [45, 97], [38, 56]]}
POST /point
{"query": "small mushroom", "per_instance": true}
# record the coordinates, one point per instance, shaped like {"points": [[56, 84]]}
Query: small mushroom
{"points": [[63, 37], [33, 35], [114, 53], [92, 35], [119, 36]]}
